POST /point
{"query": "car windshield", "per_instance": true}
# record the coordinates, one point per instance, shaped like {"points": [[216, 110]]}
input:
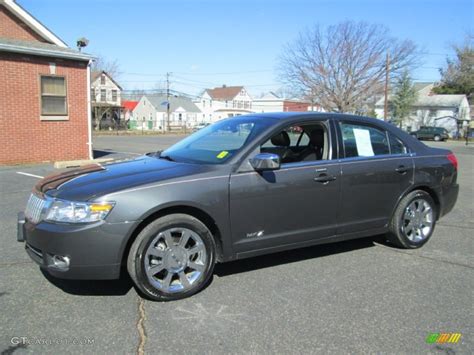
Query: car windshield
{"points": [[217, 143]]}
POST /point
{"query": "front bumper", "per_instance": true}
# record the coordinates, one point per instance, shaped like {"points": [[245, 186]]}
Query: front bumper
{"points": [[93, 251]]}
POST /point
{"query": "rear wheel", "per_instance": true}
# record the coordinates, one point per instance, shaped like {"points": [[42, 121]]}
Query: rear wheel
{"points": [[172, 258], [414, 135], [413, 221], [437, 138]]}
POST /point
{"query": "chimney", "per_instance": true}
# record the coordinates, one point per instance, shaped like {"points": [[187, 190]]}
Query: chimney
{"points": [[224, 86]]}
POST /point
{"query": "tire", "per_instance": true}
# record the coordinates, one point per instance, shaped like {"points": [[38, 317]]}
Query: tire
{"points": [[414, 136], [414, 220], [437, 138], [165, 250]]}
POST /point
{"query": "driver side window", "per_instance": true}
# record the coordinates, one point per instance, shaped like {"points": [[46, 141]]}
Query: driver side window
{"points": [[299, 143]]}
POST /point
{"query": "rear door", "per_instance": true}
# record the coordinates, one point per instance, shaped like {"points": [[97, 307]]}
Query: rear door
{"points": [[424, 133], [376, 169]]}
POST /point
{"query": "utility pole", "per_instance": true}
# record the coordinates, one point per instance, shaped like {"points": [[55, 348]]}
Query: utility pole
{"points": [[387, 70], [168, 101]]}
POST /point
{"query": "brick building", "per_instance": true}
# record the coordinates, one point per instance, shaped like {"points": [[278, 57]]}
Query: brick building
{"points": [[45, 101]]}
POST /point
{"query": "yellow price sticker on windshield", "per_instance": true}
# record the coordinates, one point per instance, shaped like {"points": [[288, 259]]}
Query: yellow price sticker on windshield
{"points": [[222, 154]]}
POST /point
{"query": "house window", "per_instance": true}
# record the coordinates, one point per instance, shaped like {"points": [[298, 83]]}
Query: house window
{"points": [[93, 94], [103, 95], [203, 103], [114, 95], [102, 79], [53, 96]]}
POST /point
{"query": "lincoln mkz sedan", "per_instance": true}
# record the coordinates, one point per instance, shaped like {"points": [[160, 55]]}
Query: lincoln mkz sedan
{"points": [[239, 188]]}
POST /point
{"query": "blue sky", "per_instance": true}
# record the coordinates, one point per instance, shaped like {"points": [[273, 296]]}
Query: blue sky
{"points": [[210, 43]]}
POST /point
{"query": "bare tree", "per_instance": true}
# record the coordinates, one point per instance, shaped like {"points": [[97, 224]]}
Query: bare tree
{"points": [[344, 66], [111, 67], [286, 92], [427, 117], [134, 95]]}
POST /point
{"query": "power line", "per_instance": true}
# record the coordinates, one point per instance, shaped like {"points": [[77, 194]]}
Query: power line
{"points": [[208, 74], [229, 73]]}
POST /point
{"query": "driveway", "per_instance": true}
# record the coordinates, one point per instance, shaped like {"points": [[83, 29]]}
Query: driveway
{"points": [[357, 296]]}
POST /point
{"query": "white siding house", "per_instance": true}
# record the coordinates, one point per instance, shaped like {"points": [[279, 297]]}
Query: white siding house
{"points": [[433, 110], [105, 90], [151, 113], [106, 101], [226, 101]]}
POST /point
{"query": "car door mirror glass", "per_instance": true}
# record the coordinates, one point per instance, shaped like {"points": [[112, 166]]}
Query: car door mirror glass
{"points": [[265, 161]]}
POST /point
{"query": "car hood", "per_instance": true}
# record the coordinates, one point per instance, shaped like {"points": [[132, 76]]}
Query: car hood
{"points": [[96, 180]]}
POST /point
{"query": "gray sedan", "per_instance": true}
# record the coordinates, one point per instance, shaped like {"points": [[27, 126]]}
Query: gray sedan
{"points": [[239, 188]]}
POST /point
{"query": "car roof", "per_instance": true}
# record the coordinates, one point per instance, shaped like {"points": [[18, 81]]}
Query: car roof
{"points": [[293, 116], [290, 117]]}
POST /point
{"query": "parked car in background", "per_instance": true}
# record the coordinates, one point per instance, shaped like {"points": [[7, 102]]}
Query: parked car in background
{"points": [[434, 133], [241, 187], [200, 126]]}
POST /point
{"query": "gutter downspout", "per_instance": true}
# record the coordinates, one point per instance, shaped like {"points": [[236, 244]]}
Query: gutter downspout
{"points": [[89, 109]]}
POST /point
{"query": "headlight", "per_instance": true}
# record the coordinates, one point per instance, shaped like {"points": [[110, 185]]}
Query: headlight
{"points": [[78, 212]]}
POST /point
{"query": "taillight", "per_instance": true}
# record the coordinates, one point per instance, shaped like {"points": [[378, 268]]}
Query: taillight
{"points": [[452, 158]]}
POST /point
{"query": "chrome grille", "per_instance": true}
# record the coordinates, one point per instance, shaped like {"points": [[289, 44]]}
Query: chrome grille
{"points": [[34, 208]]}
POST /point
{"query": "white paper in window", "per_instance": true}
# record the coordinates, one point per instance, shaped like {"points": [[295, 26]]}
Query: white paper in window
{"points": [[363, 142]]}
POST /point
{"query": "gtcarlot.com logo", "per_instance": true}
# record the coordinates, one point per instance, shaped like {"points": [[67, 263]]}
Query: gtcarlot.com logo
{"points": [[442, 338], [50, 341]]}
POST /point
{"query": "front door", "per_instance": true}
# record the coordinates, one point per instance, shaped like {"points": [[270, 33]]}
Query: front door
{"points": [[293, 205]]}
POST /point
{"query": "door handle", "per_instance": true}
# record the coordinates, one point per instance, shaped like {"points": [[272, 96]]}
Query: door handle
{"points": [[324, 178], [401, 169]]}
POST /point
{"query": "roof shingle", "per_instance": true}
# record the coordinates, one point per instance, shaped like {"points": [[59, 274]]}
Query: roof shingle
{"points": [[159, 102], [224, 93]]}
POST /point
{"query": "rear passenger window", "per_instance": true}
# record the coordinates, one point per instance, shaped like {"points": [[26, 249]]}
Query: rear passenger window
{"points": [[396, 145], [363, 140]]}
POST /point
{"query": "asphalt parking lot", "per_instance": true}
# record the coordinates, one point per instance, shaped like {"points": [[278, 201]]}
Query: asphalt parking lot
{"points": [[350, 297]]}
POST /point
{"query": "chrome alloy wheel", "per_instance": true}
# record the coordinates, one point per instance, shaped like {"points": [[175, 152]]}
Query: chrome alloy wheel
{"points": [[417, 222], [175, 260]]}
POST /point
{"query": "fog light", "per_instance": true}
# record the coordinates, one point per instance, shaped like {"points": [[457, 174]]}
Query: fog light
{"points": [[61, 262]]}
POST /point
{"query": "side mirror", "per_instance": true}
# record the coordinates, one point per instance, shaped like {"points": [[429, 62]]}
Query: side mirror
{"points": [[265, 161]]}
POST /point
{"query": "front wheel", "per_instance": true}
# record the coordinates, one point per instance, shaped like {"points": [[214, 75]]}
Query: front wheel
{"points": [[172, 258], [437, 138], [414, 220]]}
